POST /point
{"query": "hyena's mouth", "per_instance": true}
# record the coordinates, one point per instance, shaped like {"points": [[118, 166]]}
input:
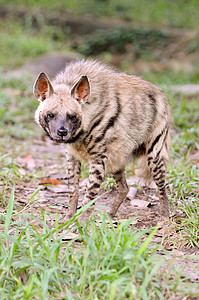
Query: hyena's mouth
{"points": [[59, 140], [63, 139], [65, 134]]}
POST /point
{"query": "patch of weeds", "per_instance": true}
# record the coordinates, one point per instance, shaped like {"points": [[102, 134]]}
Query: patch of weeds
{"points": [[17, 47], [190, 224], [9, 172], [108, 183], [16, 111], [84, 170], [99, 262], [183, 173], [166, 79], [143, 13], [185, 112], [184, 195], [185, 141], [116, 41], [183, 180]]}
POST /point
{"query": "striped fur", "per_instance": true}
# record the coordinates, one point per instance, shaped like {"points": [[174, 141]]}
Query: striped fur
{"points": [[107, 119]]}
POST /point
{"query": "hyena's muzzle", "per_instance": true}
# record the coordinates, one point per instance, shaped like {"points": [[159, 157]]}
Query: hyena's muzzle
{"points": [[62, 127]]}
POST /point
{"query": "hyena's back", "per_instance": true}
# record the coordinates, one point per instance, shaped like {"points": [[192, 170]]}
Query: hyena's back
{"points": [[122, 119]]}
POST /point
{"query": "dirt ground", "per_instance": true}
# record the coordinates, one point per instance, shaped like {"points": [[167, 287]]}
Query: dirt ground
{"points": [[50, 158]]}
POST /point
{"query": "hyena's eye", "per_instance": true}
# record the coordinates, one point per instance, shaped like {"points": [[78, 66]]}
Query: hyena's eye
{"points": [[50, 116], [72, 118]]}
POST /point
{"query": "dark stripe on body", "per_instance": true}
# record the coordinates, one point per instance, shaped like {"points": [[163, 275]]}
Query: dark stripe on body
{"points": [[153, 106], [98, 118], [152, 99], [110, 123], [97, 122]]}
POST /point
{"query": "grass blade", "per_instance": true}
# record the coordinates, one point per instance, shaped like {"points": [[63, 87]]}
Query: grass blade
{"points": [[9, 211]]}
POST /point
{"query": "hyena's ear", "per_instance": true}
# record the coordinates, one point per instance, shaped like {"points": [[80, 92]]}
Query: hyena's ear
{"points": [[81, 90], [42, 88]]}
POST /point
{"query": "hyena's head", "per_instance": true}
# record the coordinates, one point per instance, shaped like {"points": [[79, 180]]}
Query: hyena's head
{"points": [[60, 111]]}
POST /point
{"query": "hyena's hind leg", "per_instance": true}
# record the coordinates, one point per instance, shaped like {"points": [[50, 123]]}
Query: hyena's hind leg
{"points": [[74, 168], [158, 156], [122, 189]]}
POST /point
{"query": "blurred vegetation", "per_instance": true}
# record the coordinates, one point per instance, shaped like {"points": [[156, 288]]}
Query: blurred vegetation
{"points": [[117, 41], [130, 31], [142, 13]]}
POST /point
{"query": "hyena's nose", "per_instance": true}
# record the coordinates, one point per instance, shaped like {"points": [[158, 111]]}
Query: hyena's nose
{"points": [[62, 131]]}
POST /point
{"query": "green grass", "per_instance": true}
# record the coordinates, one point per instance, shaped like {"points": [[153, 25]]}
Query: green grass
{"points": [[183, 174], [106, 263], [16, 110], [20, 43], [143, 13]]}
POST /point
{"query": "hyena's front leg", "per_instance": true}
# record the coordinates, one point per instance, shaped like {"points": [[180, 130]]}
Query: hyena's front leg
{"points": [[74, 168], [122, 188], [96, 176]]}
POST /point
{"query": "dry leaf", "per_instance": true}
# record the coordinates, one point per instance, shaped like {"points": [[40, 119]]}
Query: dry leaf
{"points": [[50, 181]]}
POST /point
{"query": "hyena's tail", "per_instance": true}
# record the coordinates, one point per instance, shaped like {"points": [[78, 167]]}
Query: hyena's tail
{"points": [[159, 153]]}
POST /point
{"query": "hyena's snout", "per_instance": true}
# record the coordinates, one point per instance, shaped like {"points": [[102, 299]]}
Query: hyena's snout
{"points": [[62, 131]]}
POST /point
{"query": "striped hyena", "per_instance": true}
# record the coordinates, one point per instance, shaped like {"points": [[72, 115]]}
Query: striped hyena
{"points": [[108, 119]]}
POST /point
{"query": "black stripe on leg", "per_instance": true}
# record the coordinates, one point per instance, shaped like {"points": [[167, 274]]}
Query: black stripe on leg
{"points": [[156, 174], [91, 195], [161, 183], [155, 141], [162, 143], [95, 185], [157, 168]]}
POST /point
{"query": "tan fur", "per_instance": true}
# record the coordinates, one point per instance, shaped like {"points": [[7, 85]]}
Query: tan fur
{"points": [[120, 118]]}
